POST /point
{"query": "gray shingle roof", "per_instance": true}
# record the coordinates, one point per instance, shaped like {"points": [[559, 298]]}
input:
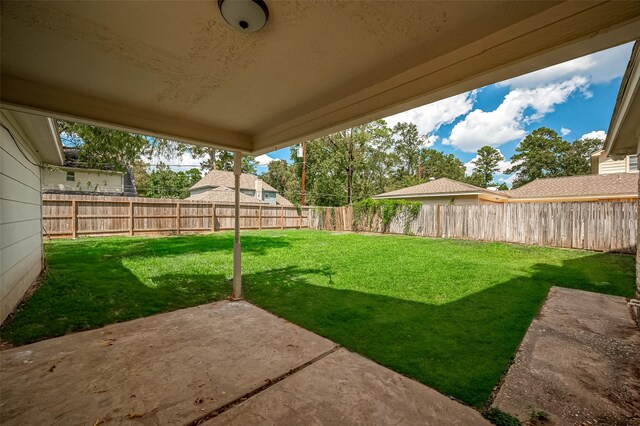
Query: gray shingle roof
{"points": [[227, 179], [578, 186], [436, 187], [221, 195]]}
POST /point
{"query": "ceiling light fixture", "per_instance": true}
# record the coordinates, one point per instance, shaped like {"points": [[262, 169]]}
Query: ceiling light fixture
{"points": [[244, 15]]}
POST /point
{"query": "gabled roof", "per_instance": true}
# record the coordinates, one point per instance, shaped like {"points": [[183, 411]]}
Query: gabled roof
{"points": [[442, 186], [224, 195], [614, 184], [226, 179]]}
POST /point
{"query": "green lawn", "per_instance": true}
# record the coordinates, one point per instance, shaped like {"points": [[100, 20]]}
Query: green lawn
{"points": [[447, 313]]}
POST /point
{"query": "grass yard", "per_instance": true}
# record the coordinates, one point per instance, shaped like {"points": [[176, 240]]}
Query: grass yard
{"points": [[448, 313]]}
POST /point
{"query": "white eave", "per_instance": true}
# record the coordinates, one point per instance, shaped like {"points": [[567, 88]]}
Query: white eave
{"points": [[623, 137]]}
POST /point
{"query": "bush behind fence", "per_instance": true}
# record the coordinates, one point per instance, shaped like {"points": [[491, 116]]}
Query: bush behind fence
{"points": [[600, 226]]}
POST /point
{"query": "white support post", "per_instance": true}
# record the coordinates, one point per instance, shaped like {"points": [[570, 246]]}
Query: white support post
{"points": [[237, 250]]}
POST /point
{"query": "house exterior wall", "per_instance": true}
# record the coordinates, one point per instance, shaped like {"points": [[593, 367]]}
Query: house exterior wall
{"points": [[602, 165], [84, 180], [20, 222], [269, 197], [456, 200]]}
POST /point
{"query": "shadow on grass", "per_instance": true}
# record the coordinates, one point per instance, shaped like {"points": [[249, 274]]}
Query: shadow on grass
{"points": [[460, 348], [169, 246], [87, 286]]}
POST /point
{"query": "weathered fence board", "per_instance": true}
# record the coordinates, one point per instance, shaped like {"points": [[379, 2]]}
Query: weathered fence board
{"points": [[70, 216], [599, 226]]}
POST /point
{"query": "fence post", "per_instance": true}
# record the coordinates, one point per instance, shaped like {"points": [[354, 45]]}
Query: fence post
{"points": [[130, 217], [74, 219], [282, 217], [259, 217], [438, 229], [178, 218], [300, 219], [213, 217]]}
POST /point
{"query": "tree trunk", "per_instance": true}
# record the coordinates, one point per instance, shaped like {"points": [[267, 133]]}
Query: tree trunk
{"points": [[350, 161]]}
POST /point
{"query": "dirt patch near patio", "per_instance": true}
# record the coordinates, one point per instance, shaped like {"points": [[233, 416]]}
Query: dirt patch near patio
{"points": [[579, 363]]}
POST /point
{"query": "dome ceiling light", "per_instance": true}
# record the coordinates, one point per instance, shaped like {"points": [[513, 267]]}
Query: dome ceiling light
{"points": [[244, 15]]}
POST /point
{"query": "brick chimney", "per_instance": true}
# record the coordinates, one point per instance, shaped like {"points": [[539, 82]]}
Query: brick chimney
{"points": [[259, 189]]}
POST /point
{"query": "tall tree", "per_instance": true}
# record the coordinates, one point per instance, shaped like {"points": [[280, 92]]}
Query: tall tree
{"points": [[281, 175], [485, 166], [219, 159], [166, 183], [407, 146], [540, 154], [345, 166], [437, 164], [576, 160], [99, 147]]}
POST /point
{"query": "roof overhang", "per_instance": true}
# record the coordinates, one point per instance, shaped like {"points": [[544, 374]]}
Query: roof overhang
{"points": [[87, 170], [179, 71], [574, 197], [443, 194], [623, 137], [38, 132]]}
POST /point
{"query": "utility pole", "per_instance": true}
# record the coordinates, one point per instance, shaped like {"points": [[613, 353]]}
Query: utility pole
{"points": [[304, 170]]}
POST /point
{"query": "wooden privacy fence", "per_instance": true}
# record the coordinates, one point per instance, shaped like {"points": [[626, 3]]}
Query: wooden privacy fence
{"points": [[70, 216], [600, 226]]}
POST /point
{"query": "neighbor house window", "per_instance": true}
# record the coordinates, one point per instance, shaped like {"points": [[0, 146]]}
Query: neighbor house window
{"points": [[633, 163], [71, 177]]}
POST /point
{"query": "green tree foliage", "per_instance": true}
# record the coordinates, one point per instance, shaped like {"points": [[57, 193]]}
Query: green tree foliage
{"points": [[223, 159], [281, 175], [407, 146], [165, 183], [437, 164], [545, 154], [344, 166], [576, 160], [539, 155], [485, 166]]}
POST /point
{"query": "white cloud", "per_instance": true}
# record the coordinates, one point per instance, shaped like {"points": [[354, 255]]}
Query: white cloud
{"points": [[177, 164], [506, 123], [263, 160], [599, 67], [508, 179], [564, 131], [429, 118], [595, 134]]}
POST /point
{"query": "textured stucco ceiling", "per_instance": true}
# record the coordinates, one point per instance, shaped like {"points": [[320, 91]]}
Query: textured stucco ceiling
{"points": [[177, 69]]}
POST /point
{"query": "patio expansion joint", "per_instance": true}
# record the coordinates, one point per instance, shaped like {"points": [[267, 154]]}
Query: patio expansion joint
{"points": [[210, 415]]}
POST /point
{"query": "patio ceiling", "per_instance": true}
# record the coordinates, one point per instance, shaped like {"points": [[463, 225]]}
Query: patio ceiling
{"points": [[180, 71]]}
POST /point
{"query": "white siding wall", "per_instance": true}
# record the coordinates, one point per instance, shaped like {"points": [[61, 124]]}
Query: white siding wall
{"points": [[20, 224], [456, 200], [84, 180]]}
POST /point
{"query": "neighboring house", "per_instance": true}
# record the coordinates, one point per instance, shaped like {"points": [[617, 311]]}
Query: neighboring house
{"points": [[218, 186], [623, 136], [605, 187], [446, 191], [26, 142], [602, 164], [73, 178]]}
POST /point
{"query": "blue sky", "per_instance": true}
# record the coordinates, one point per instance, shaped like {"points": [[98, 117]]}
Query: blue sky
{"points": [[575, 98]]}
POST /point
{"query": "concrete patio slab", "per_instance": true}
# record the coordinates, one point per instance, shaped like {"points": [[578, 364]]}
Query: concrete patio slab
{"points": [[226, 362], [344, 388], [165, 369], [579, 362]]}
